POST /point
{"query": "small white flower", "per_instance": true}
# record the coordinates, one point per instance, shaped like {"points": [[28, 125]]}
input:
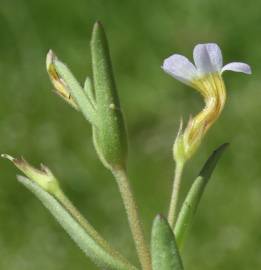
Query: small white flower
{"points": [[208, 59], [206, 77]]}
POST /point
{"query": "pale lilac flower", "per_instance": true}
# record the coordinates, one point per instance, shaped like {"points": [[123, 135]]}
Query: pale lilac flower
{"points": [[208, 59], [206, 77]]}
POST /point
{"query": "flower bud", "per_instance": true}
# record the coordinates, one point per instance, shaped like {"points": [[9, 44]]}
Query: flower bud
{"points": [[61, 88], [43, 177]]}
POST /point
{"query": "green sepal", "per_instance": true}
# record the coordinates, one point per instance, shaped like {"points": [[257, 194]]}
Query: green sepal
{"points": [[86, 242], [110, 135], [194, 195], [164, 250]]}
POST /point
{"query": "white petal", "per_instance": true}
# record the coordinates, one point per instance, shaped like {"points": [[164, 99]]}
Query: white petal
{"points": [[208, 58], [179, 67], [237, 67], [215, 55]]}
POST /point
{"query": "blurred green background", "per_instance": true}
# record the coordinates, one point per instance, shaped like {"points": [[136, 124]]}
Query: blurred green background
{"points": [[40, 126]]}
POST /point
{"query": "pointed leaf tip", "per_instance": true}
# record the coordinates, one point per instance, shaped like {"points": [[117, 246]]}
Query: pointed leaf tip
{"points": [[7, 157], [159, 217], [211, 163], [165, 254], [98, 23], [97, 28]]}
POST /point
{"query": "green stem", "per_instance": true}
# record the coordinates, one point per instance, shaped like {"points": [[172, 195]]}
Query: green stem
{"points": [[133, 217], [68, 205], [172, 216]]}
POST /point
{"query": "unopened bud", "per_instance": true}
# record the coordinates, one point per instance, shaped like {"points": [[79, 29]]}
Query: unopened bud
{"points": [[43, 176], [61, 88]]}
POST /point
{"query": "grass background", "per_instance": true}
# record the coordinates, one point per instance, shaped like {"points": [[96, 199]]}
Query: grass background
{"points": [[41, 127]]}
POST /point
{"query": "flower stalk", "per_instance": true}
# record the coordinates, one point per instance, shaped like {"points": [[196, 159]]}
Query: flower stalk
{"points": [[194, 195], [173, 208]]}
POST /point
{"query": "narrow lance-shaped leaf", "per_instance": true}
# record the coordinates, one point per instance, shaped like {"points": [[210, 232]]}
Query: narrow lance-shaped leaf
{"points": [[110, 135], [194, 195], [46, 187], [88, 245], [164, 250]]}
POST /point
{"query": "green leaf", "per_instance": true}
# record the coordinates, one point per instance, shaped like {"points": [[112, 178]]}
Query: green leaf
{"points": [[110, 135], [194, 195], [164, 251], [86, 242]]}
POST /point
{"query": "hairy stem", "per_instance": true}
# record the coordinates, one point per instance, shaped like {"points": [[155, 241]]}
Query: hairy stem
{"points": [[68, 205], [172, 216], [133, 218]]}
